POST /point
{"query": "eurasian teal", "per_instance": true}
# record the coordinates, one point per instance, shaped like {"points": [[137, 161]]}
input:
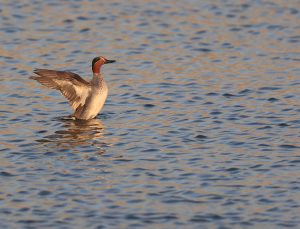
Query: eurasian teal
{"points": [[86, 98]]}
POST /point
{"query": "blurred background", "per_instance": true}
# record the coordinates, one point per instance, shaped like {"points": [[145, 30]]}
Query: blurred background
{"points": [[200, 128]]}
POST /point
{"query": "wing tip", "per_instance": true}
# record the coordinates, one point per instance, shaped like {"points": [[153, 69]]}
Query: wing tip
{"points": [[37, 70], [33, 77]]}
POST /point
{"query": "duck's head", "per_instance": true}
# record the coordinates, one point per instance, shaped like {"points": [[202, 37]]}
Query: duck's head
{"points": [[98, 62]]}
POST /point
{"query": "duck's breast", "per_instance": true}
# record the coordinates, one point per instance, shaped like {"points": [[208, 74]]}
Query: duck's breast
{"points": [[94, 103]]}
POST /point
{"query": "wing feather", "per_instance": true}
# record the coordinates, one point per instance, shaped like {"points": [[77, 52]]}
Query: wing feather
{"points": [[71, 85]]}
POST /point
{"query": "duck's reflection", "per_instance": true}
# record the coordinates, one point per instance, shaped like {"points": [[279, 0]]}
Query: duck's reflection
{"points": [[77, 133]]}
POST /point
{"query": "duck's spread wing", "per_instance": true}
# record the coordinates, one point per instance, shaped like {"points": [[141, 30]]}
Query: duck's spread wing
{"points": [[71, 85]]}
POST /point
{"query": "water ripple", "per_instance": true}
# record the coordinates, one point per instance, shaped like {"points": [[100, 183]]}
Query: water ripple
{"points": [[200, 129]]}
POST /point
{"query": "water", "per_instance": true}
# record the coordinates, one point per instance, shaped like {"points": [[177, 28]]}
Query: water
{"points": [[200, 129]]}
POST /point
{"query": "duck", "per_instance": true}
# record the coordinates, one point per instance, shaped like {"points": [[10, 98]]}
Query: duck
{"points": [[86, 98]]}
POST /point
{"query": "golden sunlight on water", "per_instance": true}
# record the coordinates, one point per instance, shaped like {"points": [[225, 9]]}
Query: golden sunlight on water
{"points": [[200, 128]]}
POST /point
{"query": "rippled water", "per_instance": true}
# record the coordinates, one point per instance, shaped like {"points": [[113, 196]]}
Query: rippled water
{"points": [[200, 129]]}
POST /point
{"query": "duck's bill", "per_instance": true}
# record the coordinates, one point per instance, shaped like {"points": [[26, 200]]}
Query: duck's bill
{"points": [[109, 61]]}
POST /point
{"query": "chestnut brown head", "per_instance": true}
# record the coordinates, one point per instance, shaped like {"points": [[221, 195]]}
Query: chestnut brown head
{"points": [[98, 62]]}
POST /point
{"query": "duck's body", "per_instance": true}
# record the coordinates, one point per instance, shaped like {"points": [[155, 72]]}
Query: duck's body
{"points": [[94, 101], [86, 98]]}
